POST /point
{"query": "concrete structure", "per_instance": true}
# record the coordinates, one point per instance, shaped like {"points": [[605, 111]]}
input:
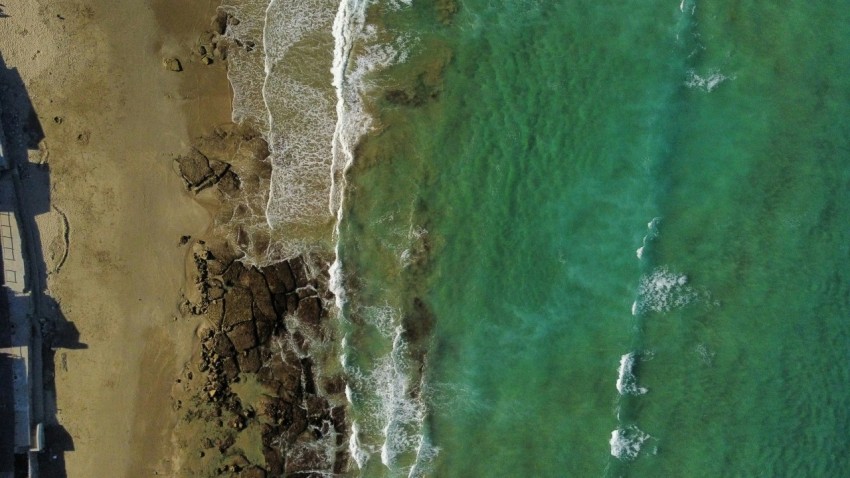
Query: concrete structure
{"points": [[4, 160], [19, 435]]}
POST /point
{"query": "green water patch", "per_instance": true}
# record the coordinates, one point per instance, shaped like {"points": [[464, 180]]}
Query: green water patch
{"points": [[551, 123], [747, 382], [497, 207]]}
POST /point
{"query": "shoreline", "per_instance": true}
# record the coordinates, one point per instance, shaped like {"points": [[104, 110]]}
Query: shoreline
{"points": [[256, 397], [136, 265]]}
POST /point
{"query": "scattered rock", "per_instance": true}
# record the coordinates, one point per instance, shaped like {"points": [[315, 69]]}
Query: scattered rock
{"points": [[215, 291], [206, 60], [220, 52], [299, 272], [172, 64], [232, 274], [334, 385], [306, 458], [221, 251], [195, 169], [265, 330], [218, 167], [247, 338], [230, 368], [216, 267], [219, 22]]}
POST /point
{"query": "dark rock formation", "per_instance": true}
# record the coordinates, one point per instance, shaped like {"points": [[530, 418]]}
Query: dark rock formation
{"points": [[243, 336], [249, 361], [246, 307], [446, 10], [279, 278], [238, 307], [262, 324], [195, 169], [310, 311]]}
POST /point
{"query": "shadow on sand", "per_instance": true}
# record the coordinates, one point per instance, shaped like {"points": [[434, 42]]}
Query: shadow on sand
{"points": [[50, 330]]}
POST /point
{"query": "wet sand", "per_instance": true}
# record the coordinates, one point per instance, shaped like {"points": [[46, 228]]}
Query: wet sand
{"points": [[113, 120]]}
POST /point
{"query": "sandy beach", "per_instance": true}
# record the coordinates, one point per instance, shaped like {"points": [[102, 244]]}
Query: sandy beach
{"points": [[113, 119]]}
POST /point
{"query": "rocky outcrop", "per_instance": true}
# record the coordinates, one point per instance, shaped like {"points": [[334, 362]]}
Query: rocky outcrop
{"points": [[200, 172], [260, 328]]}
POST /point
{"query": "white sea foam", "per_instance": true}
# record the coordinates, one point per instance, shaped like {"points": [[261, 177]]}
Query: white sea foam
{"points": [[662, 291], [245, 63], [384, 318], [653, 233], [336, 280], [425, 454], [357, 452], [392, 408], [386, 389], [352, 83], [626, 380], [626, 442], [706, 83], [300, 109], [653, 224], [320, 451]]}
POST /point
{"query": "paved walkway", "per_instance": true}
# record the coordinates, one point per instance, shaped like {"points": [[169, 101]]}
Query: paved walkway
{"points": [[15, 332], [10, 239], [4, 160]]}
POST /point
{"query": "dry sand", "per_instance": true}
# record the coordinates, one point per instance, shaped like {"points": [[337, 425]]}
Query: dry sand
{"points": [[121, 118]]}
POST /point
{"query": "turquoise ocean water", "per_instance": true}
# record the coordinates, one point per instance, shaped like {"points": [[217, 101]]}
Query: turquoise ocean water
{"points": [[582, 238]]}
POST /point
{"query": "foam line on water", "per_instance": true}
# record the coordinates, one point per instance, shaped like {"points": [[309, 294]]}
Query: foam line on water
{"points": [[663, 290], [709, 82], [384, 390], [626, 442], [301, 115], [245, 60], [626, 380]]}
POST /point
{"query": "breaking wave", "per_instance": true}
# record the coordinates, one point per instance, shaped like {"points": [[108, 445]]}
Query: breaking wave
{"points": [[626, 442], [626, 380], [663, 290]]}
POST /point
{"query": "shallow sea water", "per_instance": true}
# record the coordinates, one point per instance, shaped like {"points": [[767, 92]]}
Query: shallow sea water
{"points": [[615, 244]]}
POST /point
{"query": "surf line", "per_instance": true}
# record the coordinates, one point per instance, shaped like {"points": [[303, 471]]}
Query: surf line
{"points": [[388, 420], [627, 439]]}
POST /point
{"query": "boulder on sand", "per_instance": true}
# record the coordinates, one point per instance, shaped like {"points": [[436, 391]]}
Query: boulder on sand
{"points": [[172, 64], [195, 168]]}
